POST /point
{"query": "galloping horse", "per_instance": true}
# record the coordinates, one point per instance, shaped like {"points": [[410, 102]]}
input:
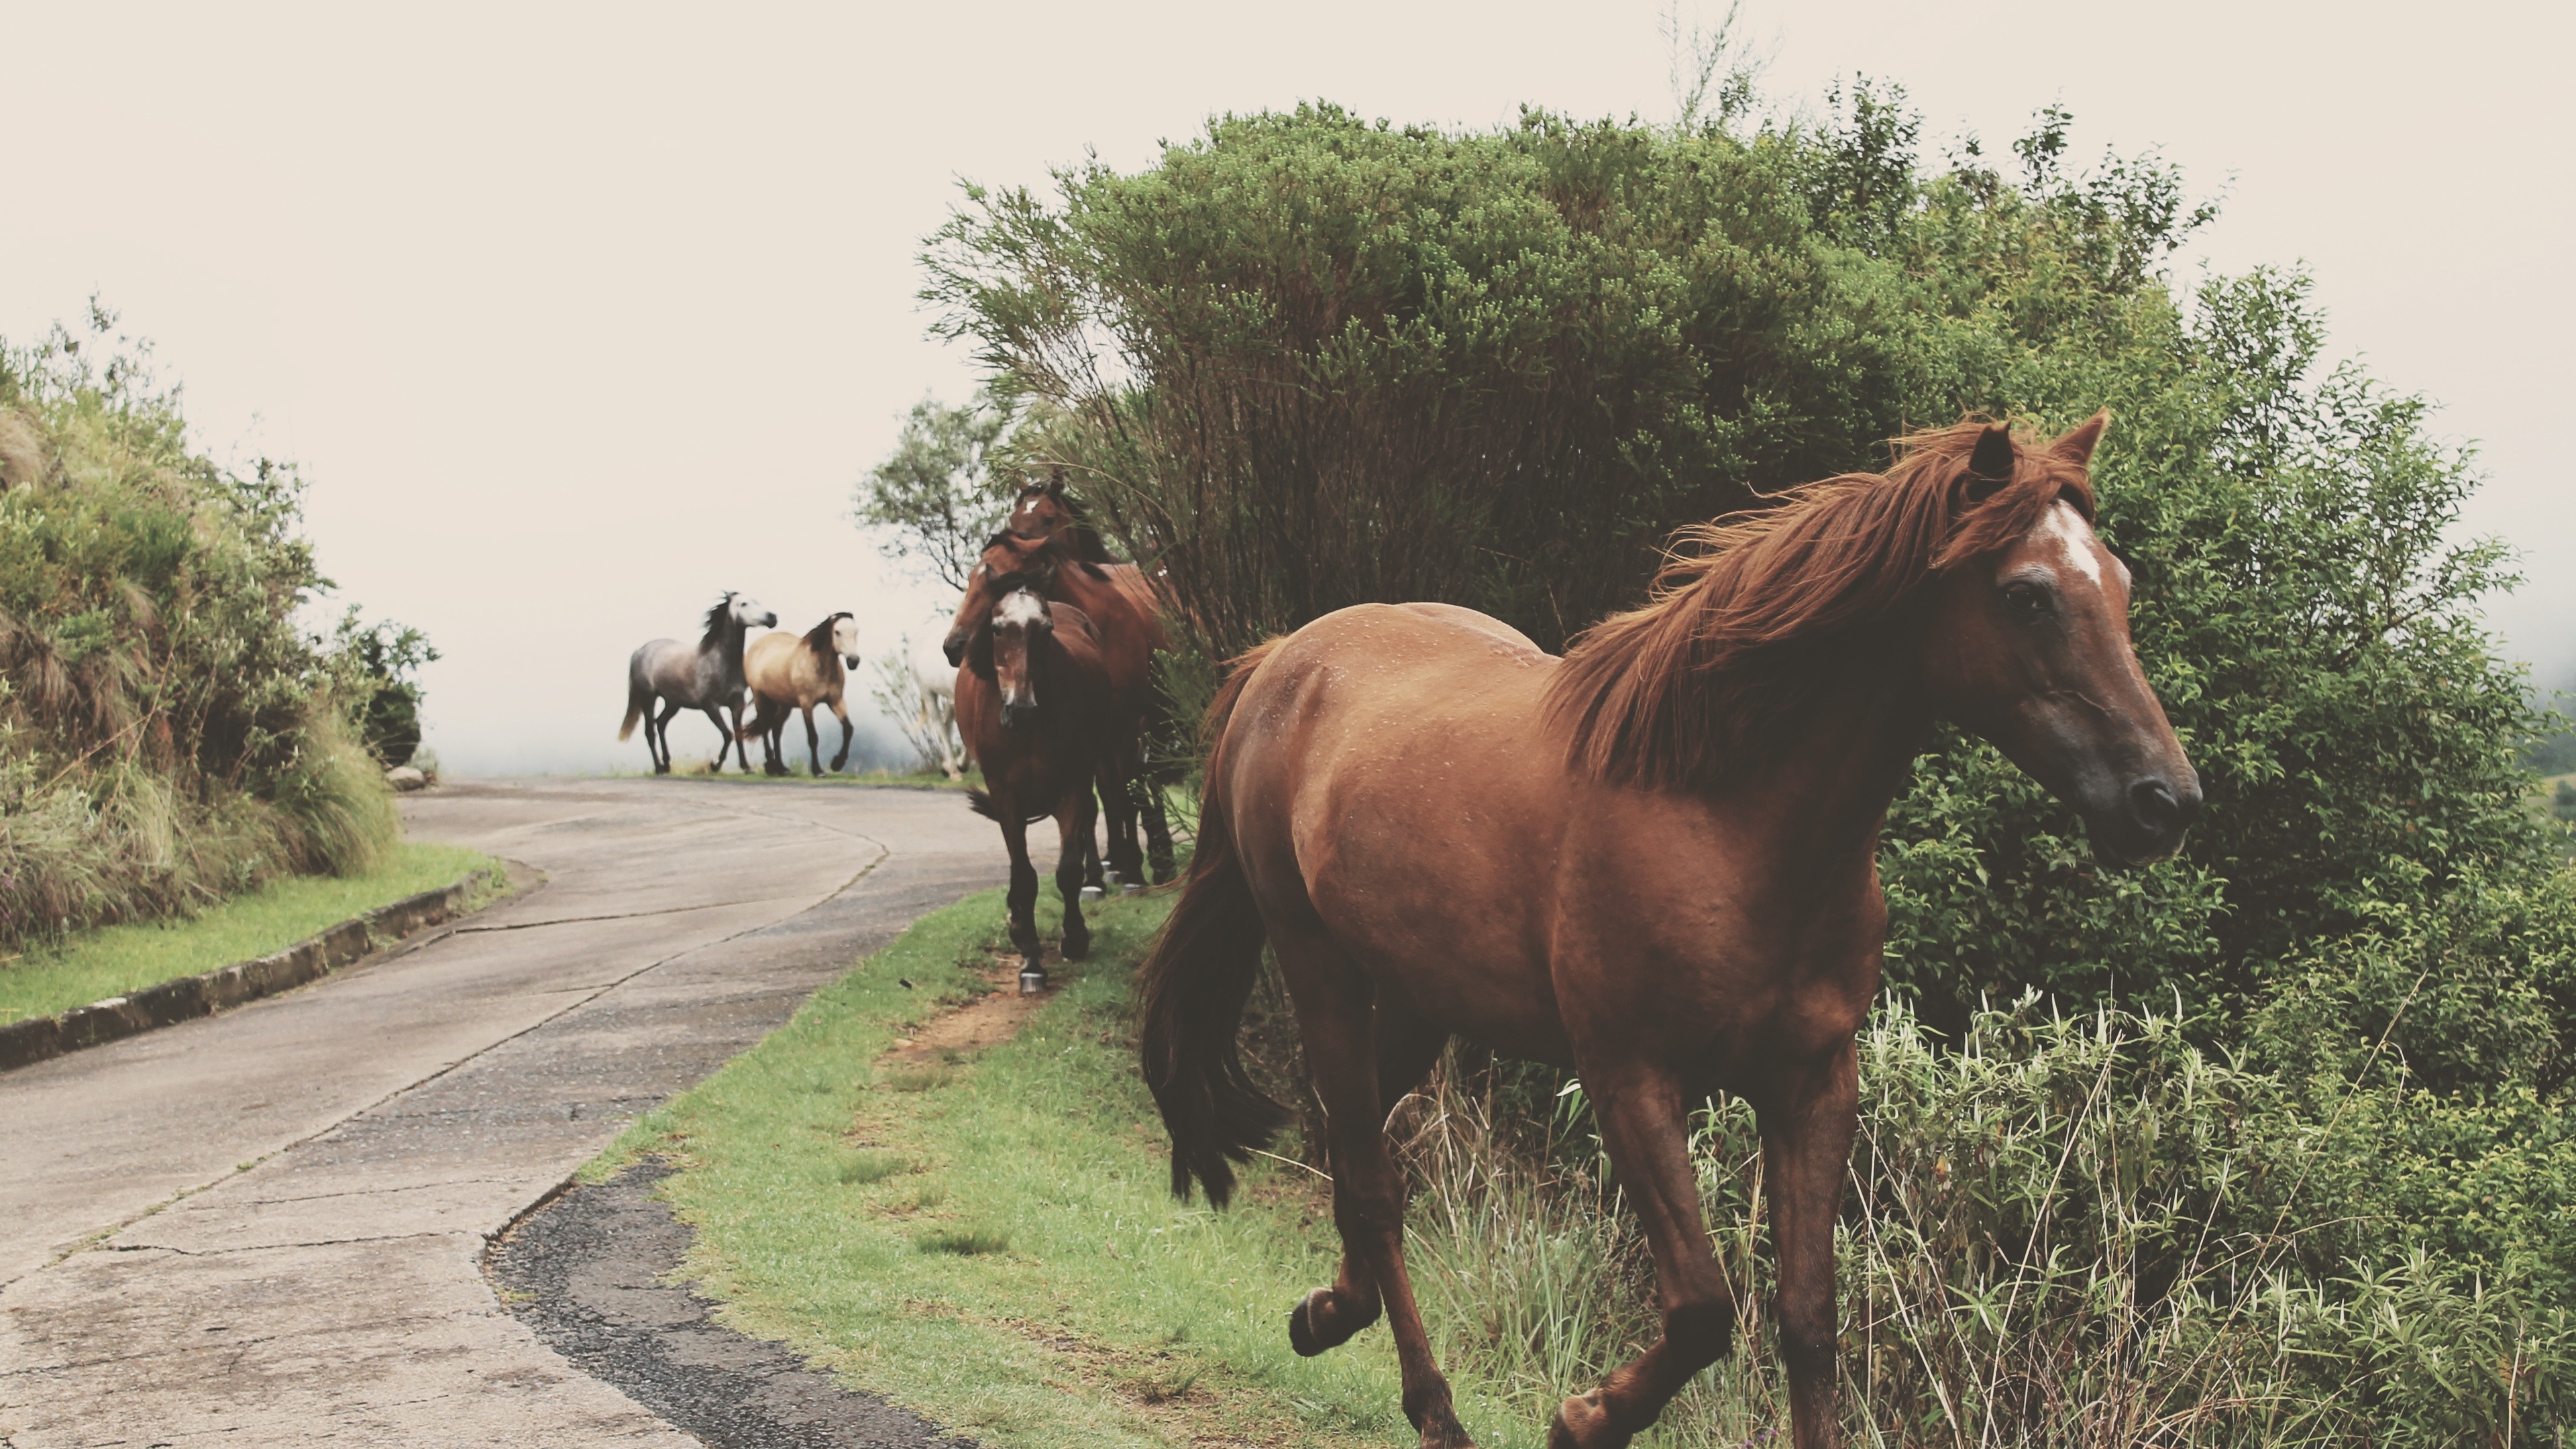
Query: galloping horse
{"points": [[708, 677], [1652, 861], [1035, 705], [786, 672], [1121, 602]]}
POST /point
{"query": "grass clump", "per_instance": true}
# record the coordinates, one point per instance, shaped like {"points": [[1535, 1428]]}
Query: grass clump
{"points": [[867, 1168], [107, 961], [965, 1242]]}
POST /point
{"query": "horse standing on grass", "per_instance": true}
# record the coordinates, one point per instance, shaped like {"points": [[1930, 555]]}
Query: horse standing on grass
{"points": [[707, 677], [1035, 704], [1046, 538], [788, 672], [1652, 861]]}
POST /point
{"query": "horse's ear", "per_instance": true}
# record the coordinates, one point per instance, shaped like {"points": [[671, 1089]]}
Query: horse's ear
{"points": [[1990, 467], [2078, 444]]}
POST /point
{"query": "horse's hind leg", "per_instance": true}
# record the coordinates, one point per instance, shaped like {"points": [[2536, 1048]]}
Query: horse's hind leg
{"points": [[1145, 796], [1644, 1114], [1336, 1018], [1407, 1045], [662, 731]]}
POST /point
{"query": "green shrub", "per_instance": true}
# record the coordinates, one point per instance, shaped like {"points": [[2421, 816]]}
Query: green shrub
{"points": [[167, 736]]}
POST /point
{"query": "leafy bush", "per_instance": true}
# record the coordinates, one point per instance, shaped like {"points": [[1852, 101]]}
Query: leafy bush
{"points": [[2077, 1231], [167, 737]]}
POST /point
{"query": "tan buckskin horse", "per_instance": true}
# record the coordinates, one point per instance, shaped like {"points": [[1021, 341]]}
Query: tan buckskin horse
{"points": [[1036, 707], [1652, 861], [792, 672]]}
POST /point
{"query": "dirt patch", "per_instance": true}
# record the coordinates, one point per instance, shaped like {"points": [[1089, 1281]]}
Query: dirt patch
{"points": [[992, 1018]]}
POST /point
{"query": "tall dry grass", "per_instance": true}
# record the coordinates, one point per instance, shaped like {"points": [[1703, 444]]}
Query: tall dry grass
{"points": [[2064, 1232]]}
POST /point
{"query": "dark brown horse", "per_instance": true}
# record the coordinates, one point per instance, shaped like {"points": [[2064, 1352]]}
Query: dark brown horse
{"points": [[1047, 511], [1121, 607], [1036, 709], [1653, 861]]}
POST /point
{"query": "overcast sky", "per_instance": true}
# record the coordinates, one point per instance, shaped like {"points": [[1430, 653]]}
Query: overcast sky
{"points": [[575, 316]]}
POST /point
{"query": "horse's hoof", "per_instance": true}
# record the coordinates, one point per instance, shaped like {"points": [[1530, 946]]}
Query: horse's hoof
{"points": [[1581, 1423], [1091, 893], [1301, 1325], [1131, 889], [1032, 980], [1075, 947], [1313, 1326]]}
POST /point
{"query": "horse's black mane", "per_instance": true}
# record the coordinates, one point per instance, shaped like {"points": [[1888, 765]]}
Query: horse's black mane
{"points": [[719, 618], [819, 638]]}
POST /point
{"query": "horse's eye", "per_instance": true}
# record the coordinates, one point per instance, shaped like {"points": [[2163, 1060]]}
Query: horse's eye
{"points": [[2027, 602]]}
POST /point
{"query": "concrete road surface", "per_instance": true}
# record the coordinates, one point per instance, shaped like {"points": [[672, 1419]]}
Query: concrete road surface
{"points": [[265, 1227]]}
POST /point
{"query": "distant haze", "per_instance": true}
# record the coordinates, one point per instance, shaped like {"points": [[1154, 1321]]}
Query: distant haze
{"points": [[576, 317]]}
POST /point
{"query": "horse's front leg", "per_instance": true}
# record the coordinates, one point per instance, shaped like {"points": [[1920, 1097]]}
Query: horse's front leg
{"points": [[1806, 1154], [730, 742], [1073, 819], [842, 714], [1644, 1114], [1023, 897], [813, 742]]}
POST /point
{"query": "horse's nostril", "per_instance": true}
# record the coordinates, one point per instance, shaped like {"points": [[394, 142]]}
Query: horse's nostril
{"points": [[2159, 809]]}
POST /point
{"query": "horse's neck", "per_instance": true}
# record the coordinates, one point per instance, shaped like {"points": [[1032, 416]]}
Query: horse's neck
{"points": [[729, 652], [1828, 770]]}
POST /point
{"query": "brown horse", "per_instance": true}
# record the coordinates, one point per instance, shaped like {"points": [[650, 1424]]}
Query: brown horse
{"points": [[1036, 708], [1130, 617], [1120, 604], [787, 672], [1652, 861]]}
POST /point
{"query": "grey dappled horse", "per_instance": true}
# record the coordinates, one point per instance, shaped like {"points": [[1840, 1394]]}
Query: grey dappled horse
{"points": [[707, 676]]}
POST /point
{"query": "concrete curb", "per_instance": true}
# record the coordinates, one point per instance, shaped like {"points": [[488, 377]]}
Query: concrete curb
{"points": [[24, 1043]]}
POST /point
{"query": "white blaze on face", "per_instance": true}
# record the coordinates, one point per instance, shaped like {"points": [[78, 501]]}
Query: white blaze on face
{"points": [[1020, 607], [845, 638], [2074, 539]]}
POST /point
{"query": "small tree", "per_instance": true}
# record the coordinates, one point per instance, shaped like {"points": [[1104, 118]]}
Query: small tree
{"points": [[947, 485], [927, 717]]}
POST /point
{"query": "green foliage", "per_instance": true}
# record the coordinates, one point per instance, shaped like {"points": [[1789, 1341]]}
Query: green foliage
{"points": [[947, 485], [167, 737], [374, 667]]}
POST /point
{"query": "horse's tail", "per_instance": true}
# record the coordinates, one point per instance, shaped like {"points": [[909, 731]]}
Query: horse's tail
{"points": [[639, 698], [982, 804], [1196, 982]]}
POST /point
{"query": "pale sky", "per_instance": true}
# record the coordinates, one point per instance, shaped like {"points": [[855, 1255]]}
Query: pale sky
{"points": [[577, 316]]}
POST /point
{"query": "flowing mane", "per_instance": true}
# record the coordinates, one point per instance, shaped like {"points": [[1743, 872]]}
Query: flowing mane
{"points": [[719, 619], [819, 639], [1746, 611]]}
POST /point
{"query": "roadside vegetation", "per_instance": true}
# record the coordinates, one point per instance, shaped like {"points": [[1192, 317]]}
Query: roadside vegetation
{"points": [[104, 961], [168, 736], [2270, 1143]]}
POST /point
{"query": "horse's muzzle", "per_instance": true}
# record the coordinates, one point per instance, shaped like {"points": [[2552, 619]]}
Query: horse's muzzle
{"points": [[954, 646], [2157, 813], [1016, 715]]}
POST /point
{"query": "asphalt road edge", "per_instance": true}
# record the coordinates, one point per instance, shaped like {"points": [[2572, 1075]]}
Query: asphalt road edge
{"points": [[42, 1038]]}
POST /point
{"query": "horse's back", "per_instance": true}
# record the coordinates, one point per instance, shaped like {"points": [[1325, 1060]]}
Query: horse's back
{"points": [[1387, 769]]}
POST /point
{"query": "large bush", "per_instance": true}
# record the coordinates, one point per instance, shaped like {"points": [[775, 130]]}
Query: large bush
{"points": [[167, 736]]}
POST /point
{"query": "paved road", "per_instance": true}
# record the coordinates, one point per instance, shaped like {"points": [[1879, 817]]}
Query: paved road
{"points": [[265, 1227]]}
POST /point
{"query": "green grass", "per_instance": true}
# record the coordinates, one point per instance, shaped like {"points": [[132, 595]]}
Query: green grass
{"points": [[94, 965], [994, 1243]]}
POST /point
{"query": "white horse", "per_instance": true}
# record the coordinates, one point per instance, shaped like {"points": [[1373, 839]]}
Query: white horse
{"points": [[705, 676]]}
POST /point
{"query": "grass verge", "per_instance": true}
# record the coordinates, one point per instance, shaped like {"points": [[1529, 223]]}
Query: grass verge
{"points": [[94, 965], [990, 1240]]}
